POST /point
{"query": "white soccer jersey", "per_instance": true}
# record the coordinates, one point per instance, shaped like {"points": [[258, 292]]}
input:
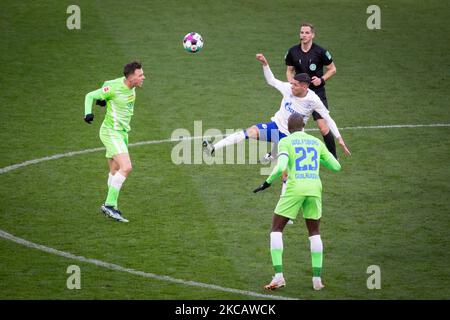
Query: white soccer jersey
{"points": [[304, 106]]}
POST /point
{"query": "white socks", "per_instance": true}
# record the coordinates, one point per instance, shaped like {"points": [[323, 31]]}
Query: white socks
{"points": [[276, 243], [117, 180], [316, 243], [110, 176], [229, 140], [276, 240]]}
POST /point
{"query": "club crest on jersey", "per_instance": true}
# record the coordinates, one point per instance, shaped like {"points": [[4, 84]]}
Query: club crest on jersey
{"points": [[312, 67], [105, 89], [264, 126]]}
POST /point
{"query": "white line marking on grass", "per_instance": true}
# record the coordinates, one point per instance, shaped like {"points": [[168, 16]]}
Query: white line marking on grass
{"points": [[116, 267], [75, 153]]}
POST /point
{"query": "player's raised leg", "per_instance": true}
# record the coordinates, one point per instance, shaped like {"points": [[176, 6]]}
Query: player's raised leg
{"points": [[271, 155], [252, 133]]}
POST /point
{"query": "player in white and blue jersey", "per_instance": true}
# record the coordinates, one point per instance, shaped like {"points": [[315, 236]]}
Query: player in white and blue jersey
{"points": [[297, 98]]}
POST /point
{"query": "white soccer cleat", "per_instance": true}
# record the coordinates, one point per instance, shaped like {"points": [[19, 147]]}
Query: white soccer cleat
{"points": [[118, 217], [317, 284], [277, 282], [290, 221], [267, 158], [208, 148]]}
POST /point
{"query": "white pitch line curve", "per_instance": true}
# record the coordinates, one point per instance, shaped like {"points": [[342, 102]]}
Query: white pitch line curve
{"points": [[115, 267], [75, 153]]}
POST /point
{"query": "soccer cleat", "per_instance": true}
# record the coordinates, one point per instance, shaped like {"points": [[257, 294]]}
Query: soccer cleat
{"points": [[317, 284], [107, 210], [111, 212], [275, 283], [290, 221], [119, 217], [208, 148], [267, 158]]}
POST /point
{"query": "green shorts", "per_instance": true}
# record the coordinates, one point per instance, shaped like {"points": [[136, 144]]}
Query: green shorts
{"points": [[115, 141], [289, 205]]}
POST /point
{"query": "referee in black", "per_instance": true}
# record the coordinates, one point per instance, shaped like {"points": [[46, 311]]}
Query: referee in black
{"points": [[310, 58]]}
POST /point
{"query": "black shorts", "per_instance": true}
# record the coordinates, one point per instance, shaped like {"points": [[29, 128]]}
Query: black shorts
{"points": [[323, 96]]}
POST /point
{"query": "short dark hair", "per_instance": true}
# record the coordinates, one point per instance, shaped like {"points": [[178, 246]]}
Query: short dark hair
{"points": [[131, 67], [307, 24], [303, 77], [295, 122]]}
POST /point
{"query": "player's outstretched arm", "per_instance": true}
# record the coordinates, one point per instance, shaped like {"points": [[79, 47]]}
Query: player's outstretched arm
{"points": [[333, 127], [276, 172], [262, 186], [344, 147], [328, 160], [270, 78], [262, 58]]}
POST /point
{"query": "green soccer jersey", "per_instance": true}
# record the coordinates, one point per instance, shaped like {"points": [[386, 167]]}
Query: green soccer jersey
{"points": [[120, 103], [301, 154]]}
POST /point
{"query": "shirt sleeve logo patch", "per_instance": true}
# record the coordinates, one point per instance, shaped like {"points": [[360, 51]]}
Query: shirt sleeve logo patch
{"points": [[105, 89], [328, 55]]}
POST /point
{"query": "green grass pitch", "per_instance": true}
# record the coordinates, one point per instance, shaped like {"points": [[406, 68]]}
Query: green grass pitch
{"points": [[387, 207]]}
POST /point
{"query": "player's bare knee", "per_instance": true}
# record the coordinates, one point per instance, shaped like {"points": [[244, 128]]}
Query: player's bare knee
{"points": [[253, 132], [313, 227], [127, 168]]}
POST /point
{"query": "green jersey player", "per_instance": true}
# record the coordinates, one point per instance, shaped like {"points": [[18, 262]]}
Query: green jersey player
{"points": [[119, 95], [301, 155]]}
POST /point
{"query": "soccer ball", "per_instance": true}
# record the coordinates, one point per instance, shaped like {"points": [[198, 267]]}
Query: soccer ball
{"points": [[193, 42]]}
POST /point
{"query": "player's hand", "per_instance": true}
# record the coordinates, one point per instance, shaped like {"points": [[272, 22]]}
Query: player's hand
{"points": [[344, 146], [100, 103], [260, 57], [89, 118], [263, 186]]}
